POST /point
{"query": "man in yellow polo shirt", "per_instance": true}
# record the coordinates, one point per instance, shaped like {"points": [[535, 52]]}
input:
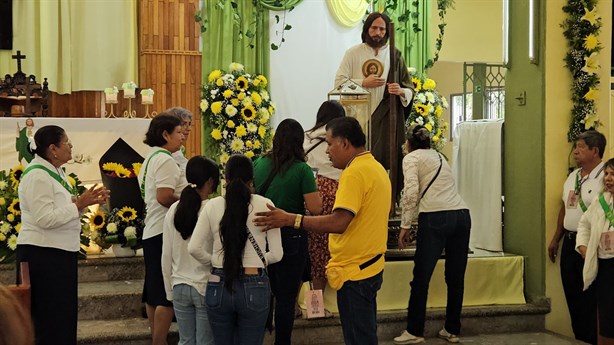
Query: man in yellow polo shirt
{"points": [[358, 229]]}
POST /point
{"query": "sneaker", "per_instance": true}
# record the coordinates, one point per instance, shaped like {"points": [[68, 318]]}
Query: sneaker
{"points": [[407, 338], [451, 338]]}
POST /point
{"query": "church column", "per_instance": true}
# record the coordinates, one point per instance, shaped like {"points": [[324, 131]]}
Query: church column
{"points": [[170, 58]]}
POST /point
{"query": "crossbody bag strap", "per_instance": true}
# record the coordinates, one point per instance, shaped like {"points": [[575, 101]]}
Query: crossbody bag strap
{"points": [[433, 180], [256, 247], [321, 140]]}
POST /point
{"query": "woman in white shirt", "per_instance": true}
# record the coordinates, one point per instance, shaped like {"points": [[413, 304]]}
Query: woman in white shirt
{"points": [[49, 236], [238, 291], [160, 181], [184, 277], [443, 223], [327, 180], [595, 242]]}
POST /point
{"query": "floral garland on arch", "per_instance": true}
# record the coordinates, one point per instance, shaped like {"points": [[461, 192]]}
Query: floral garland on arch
{"points": [[427, 109], [237, 106], [581, 29]]}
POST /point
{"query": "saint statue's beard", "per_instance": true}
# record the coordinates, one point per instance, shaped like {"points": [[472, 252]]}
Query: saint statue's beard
{"points": [[373, 43]]}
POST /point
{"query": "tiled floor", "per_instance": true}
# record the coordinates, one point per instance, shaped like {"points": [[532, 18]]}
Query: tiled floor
{"points": [[504, 339]]}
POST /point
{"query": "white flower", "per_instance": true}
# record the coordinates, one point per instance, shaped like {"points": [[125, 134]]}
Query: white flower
{"points": [[112, 228], [247, 101], [204, 105], [225, 134], [265, 95], [129, 85], [430, 97], [251, 127], [445, 103], [111, 90], [231, 110], [214, 92], [236, 67], [412, 70], [130, 231], [421, 98], [227, 77], [420, 121], [12, 242], [5, 228]]}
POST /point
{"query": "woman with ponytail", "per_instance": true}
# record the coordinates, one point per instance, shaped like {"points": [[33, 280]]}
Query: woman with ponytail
{"points": [[184, 277], [238, 291]]}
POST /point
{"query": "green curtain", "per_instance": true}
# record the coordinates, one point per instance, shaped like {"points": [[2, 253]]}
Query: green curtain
{"points": [[415, 47], [222, 46], [77, 45]]}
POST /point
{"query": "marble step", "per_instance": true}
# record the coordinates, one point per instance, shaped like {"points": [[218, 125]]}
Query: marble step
{"points": [[95, 268], [476, 321], [108, 300]]}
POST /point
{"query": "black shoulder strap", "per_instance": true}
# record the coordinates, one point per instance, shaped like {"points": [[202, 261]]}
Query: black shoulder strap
{"points": [[321, 140], [256, 247], [267, 183], [433, 180]]}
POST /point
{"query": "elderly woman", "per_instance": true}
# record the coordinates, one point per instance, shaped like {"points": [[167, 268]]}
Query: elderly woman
{"points": [[595, 242], [443, 223], [49, 236], [185, 116], [160, 187]]}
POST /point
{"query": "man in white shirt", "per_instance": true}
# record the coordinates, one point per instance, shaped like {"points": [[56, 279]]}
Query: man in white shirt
{"points": [[358, 64], [579, 190]]}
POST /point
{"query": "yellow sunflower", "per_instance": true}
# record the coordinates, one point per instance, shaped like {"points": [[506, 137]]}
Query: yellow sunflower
{"points": [[97, 220], [422, 109], [122, 172], [14, 207], [417, 84], [127, 214], [262, 79], [16, 174], [242, 83], [109, 166], [248, 113]]}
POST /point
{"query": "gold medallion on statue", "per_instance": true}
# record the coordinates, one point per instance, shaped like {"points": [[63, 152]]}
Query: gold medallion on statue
{"points": [[372, 66]]}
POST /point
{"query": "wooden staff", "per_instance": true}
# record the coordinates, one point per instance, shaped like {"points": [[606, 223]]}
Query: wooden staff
{"points": [[393, 122]]}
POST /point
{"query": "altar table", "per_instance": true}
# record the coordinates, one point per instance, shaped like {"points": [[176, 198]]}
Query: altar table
{"points": [[492, 279], [90, 137]]}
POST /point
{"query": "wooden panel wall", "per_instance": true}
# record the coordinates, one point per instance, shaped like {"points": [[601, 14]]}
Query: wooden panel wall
{"points": [[170, 60], [169, 63]]}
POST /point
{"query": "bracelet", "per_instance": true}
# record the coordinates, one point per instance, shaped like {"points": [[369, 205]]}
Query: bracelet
{"points": [[298, 221]]}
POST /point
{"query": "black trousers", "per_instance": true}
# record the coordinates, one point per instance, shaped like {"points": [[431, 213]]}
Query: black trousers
{"points": [[582, 304], [53, 280]]}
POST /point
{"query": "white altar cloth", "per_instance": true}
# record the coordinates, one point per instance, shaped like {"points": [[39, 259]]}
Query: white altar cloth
{"points": [[90, 137]]}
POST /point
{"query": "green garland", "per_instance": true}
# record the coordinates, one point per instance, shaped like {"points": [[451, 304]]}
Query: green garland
{"points": [[581, 29]]}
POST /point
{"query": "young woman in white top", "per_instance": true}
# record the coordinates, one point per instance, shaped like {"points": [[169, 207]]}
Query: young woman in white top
{"points": [[49, 236], [443, 223], [159, 179], [238, 291], [327, 180], [184, 277], [595, 242]]}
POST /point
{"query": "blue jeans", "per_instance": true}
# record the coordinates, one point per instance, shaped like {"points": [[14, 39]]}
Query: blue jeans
{"points": [[191, 316], [238, 316], [436, 231], [357, 305], [286, 279]]}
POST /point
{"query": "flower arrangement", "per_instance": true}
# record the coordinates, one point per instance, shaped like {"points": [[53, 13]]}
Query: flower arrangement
{"points": [[129, 89], [118, 170], [110, 94], [581, 29], [237, 109], [427, 109], [10, 212], [117, 226]]}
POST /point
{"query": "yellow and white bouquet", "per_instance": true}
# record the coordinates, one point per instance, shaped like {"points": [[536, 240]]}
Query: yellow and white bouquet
{"points": [[427, 109], [237, 112], [122, 226]]}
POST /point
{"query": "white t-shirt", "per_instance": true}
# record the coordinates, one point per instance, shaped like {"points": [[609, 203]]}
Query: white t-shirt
{"points": [[49, 217], [182, 162], [162, 172], [206, 247], [592, 185], [317, 158], [178, 266]]}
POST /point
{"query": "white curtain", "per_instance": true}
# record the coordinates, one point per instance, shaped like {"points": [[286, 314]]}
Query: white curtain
{"points": [[302, 71], [477, 168]]}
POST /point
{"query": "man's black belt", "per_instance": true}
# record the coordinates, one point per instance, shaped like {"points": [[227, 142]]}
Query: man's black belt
{"points": [[370, 262]]}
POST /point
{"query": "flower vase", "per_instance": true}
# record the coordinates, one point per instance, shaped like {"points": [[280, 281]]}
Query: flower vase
{"points": [[122, 252]]}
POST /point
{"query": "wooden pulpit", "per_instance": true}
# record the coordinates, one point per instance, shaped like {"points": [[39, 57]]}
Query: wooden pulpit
{"points": [[22, 95]]}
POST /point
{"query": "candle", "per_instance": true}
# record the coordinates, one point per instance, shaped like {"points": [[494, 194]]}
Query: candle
{"points": [[147, 96], [110, 95], [129, 88]]}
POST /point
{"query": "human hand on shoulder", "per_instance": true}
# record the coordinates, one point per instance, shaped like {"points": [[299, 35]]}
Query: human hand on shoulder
{"points": [[275, 218]]}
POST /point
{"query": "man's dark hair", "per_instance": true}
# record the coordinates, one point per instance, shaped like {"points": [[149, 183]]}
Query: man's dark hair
{"points": [[370, 19], [347, 128], [592, 138]]}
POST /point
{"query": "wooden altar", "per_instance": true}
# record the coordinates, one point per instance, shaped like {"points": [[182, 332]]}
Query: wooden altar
{"points": [[22, 95]]}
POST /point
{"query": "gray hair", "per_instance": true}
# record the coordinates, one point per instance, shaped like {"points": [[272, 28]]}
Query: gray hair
{"points": [[182, 113], [592, 138]]}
